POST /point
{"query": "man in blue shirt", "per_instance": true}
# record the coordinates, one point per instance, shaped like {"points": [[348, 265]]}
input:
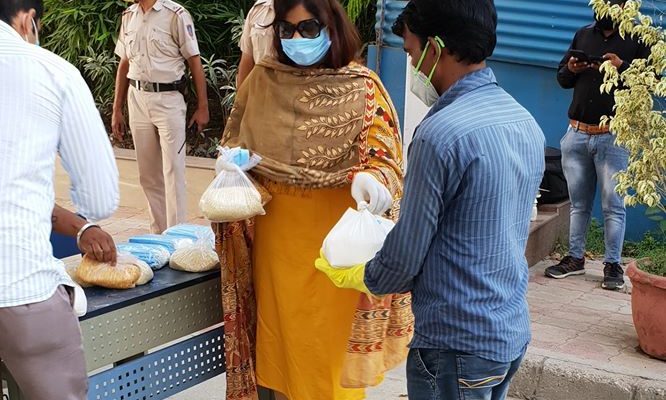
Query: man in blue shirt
{"points": [[475, 166]]}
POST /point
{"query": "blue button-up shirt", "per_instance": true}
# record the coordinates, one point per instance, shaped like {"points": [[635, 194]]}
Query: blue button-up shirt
{"points": [[474, 170]]}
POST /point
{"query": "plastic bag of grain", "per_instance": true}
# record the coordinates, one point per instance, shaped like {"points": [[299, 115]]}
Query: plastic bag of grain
{"points": [[232, 196], [199, 257], [123, 275]]}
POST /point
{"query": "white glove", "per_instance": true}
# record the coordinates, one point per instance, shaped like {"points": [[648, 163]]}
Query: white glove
{"points": [[367, 189]]}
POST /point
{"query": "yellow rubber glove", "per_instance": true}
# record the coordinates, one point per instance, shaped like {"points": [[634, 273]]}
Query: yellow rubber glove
{"points": [[344, 278]]}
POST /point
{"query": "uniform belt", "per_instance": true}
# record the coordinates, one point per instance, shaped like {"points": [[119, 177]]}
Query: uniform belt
{"points": [[156, 87], [589, 129]]}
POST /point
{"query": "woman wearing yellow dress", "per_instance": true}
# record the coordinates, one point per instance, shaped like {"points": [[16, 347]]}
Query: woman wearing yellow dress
{"points": [[329, 139]]}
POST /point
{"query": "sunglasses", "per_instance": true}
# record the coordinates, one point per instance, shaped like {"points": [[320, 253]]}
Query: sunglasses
{"points": [[309, 29]]}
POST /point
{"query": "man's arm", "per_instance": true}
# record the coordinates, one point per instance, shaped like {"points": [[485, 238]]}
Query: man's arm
{"points": [[86, 153], [201, 115], [401, 259], [569, 68], [93, 241], [244, 68], [122, 85]]}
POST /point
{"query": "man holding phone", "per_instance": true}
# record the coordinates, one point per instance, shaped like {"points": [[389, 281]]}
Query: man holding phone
{"points": [[589, 152]]}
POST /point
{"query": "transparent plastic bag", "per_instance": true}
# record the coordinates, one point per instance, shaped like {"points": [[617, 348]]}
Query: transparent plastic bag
{"points": [[171, 243], [123, 275], [199, 257], [155, 255], [147, 273], [194, 232], [71, 271], [356, 238], [232, 196]]}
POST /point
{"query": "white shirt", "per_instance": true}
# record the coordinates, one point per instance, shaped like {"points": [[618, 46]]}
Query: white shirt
{"points": [[46, 108]]}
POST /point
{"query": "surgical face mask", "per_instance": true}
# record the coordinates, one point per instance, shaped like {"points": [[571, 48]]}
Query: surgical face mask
{"points": [[36, 32], [420, 84], [307, 52]]}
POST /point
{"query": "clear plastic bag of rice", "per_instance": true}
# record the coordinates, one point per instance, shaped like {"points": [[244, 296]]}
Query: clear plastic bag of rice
{"points": [[232, 196], [199, 257]]}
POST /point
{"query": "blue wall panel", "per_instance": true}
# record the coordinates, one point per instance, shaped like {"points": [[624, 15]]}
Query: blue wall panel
{"points": [[393, 66], [539, 32]]}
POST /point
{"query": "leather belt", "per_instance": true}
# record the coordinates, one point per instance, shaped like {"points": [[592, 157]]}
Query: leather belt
{"points": [[157, 87], [589, 129]]}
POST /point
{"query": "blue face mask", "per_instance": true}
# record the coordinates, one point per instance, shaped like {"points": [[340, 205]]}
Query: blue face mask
{"points": [[307, 52]]}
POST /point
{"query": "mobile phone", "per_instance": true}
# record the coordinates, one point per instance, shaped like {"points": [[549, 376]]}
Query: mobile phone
{"points": [[580, 55], [597, 59]]}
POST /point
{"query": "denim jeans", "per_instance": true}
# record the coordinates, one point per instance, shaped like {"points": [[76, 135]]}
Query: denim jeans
{"points": [[586, 160], [448, 375]]}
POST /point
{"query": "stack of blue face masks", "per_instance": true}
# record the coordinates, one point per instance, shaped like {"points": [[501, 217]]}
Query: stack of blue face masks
{"points": [[194, 232], [155, 256], [171, 243]]}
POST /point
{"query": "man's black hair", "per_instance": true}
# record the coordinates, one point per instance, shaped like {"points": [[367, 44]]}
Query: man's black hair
{"points": [[10, 8], [467, 27]]}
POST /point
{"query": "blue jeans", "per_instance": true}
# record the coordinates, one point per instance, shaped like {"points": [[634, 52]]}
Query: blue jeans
{"points": [[447, 375], [586, 160]]}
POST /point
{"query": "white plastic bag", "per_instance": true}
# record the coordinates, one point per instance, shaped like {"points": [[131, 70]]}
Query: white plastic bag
{"points": [[356, 238], [232, 196]]}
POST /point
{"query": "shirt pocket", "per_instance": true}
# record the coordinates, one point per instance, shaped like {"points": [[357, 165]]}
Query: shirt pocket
{"points": [[162, 43], [131, 44]]}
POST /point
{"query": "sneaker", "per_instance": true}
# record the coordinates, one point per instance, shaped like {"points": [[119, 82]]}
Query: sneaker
{"points": [[613, 277], [567, 267]]}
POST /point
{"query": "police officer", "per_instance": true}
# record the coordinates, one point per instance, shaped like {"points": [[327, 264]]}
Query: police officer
{"points": [[156, 38], [256, 42]]}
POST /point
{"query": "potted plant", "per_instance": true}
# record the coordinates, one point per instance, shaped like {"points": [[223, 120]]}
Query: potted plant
{"points": [[640, 126]]}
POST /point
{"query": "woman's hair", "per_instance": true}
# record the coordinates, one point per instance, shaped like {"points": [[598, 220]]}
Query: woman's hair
{"points": [[345, 40]]}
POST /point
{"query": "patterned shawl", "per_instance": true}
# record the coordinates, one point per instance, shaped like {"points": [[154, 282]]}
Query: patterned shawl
{"points": [[331, 124]]}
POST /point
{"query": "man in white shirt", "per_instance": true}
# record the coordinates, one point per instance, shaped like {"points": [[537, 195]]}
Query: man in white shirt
{"points": [[45, 109]]}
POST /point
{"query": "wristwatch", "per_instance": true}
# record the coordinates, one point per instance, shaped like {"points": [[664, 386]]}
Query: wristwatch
{"points": [[83, 230]]}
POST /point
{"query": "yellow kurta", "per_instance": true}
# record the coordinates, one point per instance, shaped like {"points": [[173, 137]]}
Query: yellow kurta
{"points": [[303, 320], [314, 129]]}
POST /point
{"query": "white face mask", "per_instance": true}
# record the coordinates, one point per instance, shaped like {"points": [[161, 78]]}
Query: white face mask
{"points": [[422, 88], [420, 84], [35, 31]]}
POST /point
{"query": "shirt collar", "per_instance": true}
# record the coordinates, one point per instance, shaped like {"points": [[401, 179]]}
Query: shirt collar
{"points": [[6, 29], [157, 6], [466, 84]]}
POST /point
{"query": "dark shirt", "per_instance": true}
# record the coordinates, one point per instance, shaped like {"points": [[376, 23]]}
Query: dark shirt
{"points": [[589, 104]]}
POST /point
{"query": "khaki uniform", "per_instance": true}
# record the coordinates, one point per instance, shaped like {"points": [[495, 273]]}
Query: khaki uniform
{"points": [[157, 44], [258, 33]]}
